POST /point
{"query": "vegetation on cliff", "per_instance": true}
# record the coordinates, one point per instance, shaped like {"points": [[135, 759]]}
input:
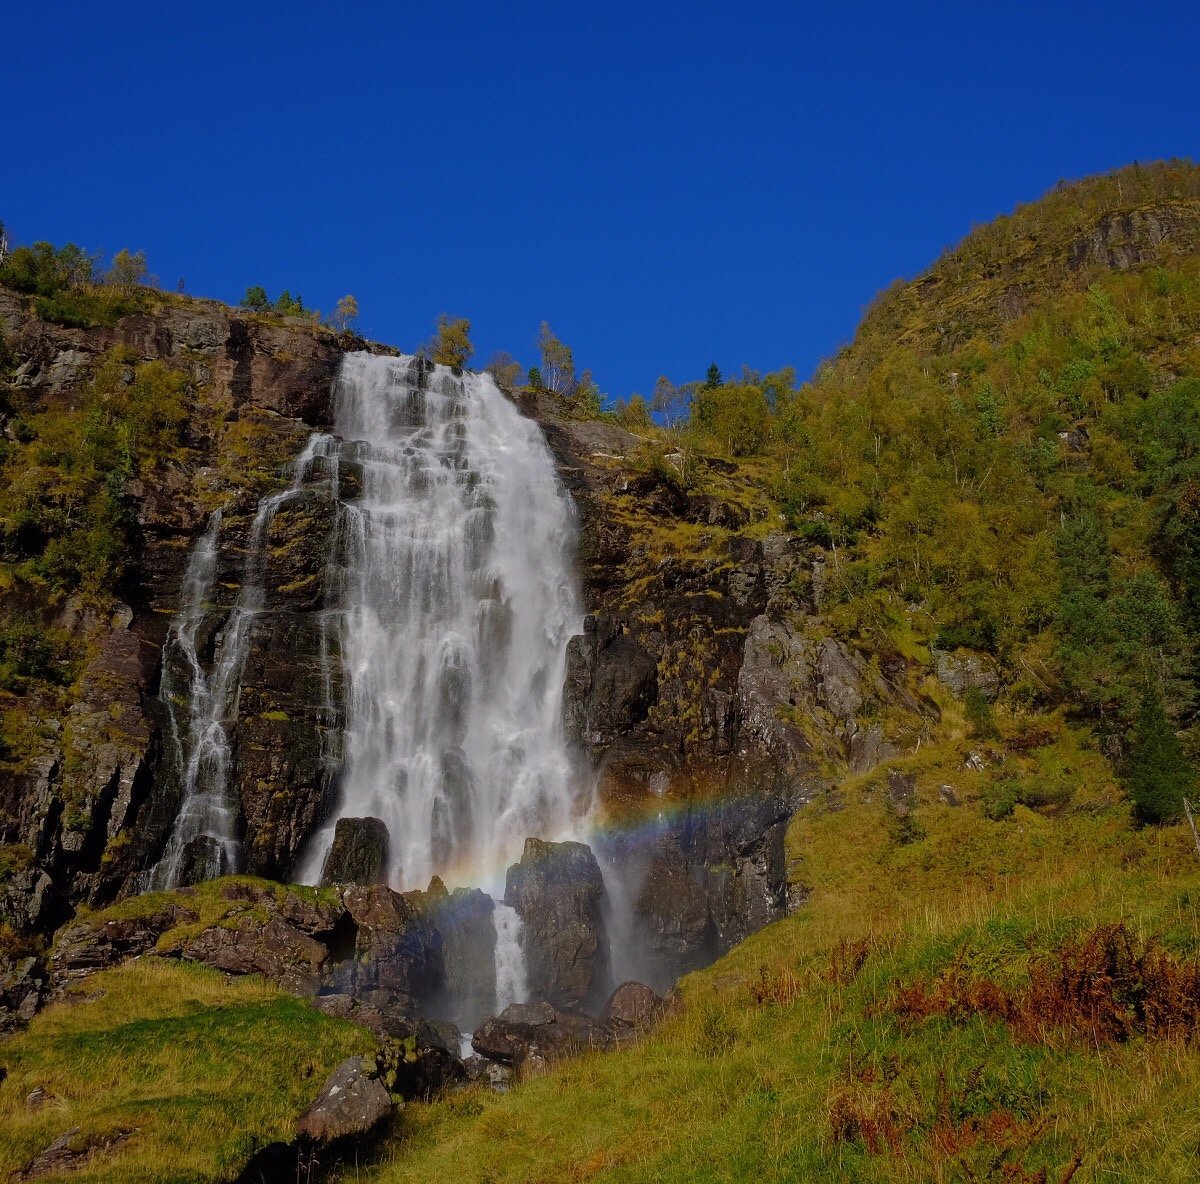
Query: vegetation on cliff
{"points": [[1004, 459], [995, 972]]}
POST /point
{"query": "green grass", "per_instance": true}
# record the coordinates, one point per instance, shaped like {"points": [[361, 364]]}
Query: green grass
{"points": [[200, 1067], [783, 1065]]}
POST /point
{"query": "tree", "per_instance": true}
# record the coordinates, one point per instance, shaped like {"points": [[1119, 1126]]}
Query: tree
{"points": [[128, 270], [669, 401], [345, 314], [558, 364], [256, 299], [451, 345], [535, 378], [1157, 770], [735, 415], [713, 378], [587, 396], [634, 415], [505, 369], [289, 305]]}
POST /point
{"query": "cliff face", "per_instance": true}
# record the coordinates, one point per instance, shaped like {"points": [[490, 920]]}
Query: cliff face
{"points": [[700, 694], [86, 805]]}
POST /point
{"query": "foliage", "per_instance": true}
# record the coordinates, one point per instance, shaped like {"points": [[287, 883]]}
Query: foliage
{"points": [[557, 368], [451, 344], [256, 299], [504, 369], [127, 270], [63, 519], [69, 287], [735, 416], [344, 314], [1158, 771], [1009, 452]]}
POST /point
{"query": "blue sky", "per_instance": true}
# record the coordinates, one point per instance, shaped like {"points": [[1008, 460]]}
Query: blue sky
{"points": [[666, 184]]}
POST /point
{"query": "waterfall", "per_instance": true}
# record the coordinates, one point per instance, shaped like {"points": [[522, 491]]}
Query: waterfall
{"points": [[511, 986], [458, 596], [205, 841]]}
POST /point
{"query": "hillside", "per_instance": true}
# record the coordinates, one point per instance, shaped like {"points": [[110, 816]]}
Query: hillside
{"points": [[885, 683]]}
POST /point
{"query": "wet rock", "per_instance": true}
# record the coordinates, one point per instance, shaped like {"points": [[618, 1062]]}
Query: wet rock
{"points": [[611, 683], [352, 1104], [358, 854], [536, 1030], [633, 1006], [464, 919], [556, 890], [397, 948], [201, 860]]}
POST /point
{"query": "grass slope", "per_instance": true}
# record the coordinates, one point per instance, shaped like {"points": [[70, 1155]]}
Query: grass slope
{"points": [[788, 1060], [197, 1067]]}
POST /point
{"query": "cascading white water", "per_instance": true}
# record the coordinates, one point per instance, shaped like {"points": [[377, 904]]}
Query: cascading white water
{"points": [[511, 985], [458, 598], [199, 735]]}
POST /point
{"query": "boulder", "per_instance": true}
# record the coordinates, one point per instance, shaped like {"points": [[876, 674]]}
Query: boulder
{"points": [[358, 854], [352, 1104], [965, 670], [633, 1006], [556, 890], [420, 1062], [536, 1031]]}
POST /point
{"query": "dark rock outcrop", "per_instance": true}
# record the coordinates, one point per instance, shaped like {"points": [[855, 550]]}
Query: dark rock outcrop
{"points": [[93, 802], [24, 987], [556, 890], [464, 920], [87, 946], [358, 854], [537, 1033], [272, 948]]}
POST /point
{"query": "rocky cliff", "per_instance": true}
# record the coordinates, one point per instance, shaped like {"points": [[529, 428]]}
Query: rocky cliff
{"points": [[701, 694]]}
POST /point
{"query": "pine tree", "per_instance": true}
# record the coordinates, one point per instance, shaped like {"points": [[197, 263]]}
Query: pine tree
{"points": [[1157, 771], [713, 378]]}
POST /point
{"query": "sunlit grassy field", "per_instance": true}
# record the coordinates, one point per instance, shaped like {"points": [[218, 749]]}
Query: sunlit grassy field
{"points": [[788, 1062], [181, 1070]]}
